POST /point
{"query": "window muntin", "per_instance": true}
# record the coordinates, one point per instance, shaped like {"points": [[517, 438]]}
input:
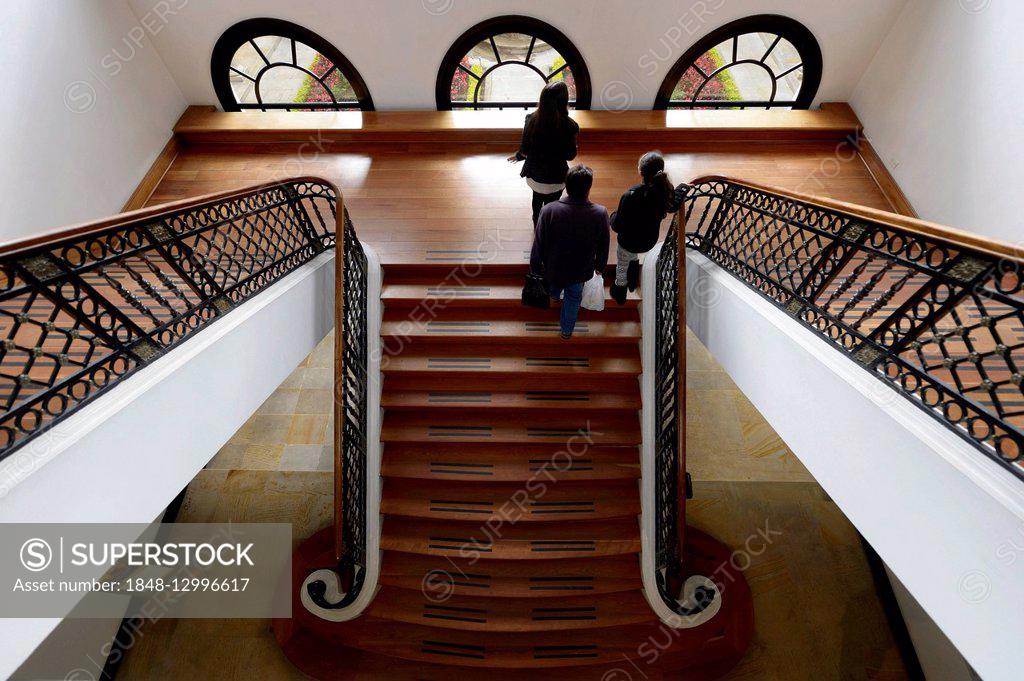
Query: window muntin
{"points": [[765, 62], [505, 62], [272, 65]]}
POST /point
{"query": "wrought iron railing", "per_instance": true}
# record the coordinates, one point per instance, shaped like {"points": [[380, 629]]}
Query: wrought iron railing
{"points": [[669, 409], [935, 314], [83, 309], [351, 413], [678, 593]]}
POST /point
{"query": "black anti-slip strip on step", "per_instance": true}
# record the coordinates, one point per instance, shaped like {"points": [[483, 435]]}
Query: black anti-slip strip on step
{"points": [[460, 327], [450, 506], [561, 507], [554, 326], [564, 652], [461, 579], [460, 431], [460, 468], [549, 545], [564, 614], [455, 614], [458, 544], [460, 291], [532, 431], [561, 584], [557, 396], [459, 363], [456, 398], [453, 649], [557, 362]]}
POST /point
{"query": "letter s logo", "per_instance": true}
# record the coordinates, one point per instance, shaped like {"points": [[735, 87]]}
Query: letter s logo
{"points": [[36, 555]]}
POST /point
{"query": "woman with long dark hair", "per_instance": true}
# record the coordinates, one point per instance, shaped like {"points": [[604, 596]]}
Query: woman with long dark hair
{"points": [[637, 222], [549, 143]]}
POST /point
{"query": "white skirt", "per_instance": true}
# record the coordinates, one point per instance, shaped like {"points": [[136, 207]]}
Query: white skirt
{"points": [[542, 188]]}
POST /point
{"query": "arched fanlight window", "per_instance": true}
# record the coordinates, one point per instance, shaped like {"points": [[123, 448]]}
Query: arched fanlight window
{"points": [[760, 62], [275, 65], [503, 63]]}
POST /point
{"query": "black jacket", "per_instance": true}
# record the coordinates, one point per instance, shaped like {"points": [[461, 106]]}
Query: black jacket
{"points": [[571, 242], [638, 220], [547, 157]]}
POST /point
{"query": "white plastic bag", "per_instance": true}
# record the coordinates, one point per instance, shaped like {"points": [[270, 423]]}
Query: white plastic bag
{"points": [[593, 293]]}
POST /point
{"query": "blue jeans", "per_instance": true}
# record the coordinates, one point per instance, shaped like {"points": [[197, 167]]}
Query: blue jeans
{"points": [[570, 306]]}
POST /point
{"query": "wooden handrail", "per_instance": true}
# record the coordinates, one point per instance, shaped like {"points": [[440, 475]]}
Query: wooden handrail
{"points": [[149, 213], [948, 235]]}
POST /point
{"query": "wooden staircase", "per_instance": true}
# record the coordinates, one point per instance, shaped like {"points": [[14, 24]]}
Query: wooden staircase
{"points": [[510, 501]]}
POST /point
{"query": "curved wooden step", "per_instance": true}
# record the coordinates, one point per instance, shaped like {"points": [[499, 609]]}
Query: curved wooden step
{"points": [[540, 649], [575, 430], [481, 614], [440, 576], [540, 500], [501, 462], [351, 664], [521, 541], [646, 650]]}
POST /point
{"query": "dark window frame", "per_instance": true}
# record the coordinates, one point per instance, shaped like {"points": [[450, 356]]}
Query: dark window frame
{"points": [[511, 23], [250, 29], [789, 29]]}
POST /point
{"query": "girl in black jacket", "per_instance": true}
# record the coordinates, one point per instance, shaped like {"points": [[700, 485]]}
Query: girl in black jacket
{"points": [[549, 143], [637, 222]]}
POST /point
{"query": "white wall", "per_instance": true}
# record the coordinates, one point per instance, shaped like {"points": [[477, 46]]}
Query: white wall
{"points": [[943, 103], [134, 432], [88, 105], [946, 520], [629, 45]]}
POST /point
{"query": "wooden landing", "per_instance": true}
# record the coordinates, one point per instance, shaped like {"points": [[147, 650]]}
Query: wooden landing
{"points": [[205, 125]]}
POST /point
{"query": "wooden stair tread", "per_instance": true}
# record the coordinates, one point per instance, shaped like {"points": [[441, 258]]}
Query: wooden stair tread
{"points": [[429, 348], [508, 462], [472, 381], [542, 361], [485, 501], [480, 614], [453, 425], [469, 293], [513, 541], [523, 332], [522, 649], [532, 579], [507, 313], [511, 401]]}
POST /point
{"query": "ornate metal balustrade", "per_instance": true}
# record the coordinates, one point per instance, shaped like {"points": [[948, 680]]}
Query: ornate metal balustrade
{"points": [[936, 315], [669, 425], [351, 399], [84, 309]]}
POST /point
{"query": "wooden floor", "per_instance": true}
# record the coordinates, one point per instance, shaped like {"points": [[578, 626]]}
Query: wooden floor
{"points": [[417, 202]]}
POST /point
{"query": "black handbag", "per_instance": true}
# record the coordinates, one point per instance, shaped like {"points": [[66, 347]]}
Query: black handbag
{"points": [[535, 292]]}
